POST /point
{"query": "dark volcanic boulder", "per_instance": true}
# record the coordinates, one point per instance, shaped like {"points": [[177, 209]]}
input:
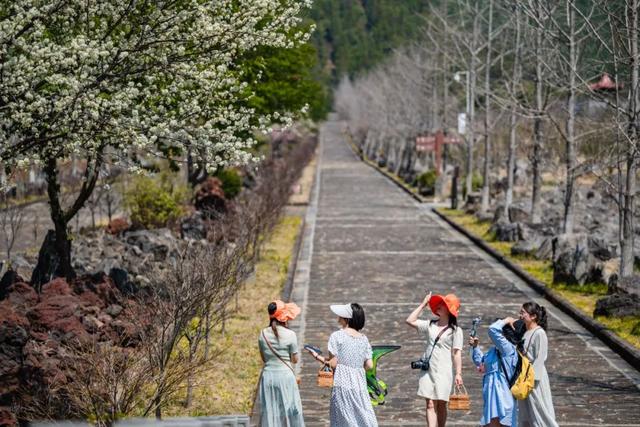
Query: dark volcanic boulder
{"points": [[510, 231], [8, 279], [518, 213], [618, 305], [528, 247], [157, 242], [120, 278], [572, 262], [626, 285], [193, 227], [601, 249]]}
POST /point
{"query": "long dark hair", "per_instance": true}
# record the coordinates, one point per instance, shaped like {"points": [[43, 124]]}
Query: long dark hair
{"points": [[515, 334], [273, 322], [453, 322], [534, 309], [357, 318]]}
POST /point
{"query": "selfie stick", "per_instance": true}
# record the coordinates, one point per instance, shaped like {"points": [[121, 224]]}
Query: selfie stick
{"points": [[474, 329]]}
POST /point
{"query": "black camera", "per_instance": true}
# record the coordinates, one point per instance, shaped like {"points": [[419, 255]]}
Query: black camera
{"points": [[420, 364]]}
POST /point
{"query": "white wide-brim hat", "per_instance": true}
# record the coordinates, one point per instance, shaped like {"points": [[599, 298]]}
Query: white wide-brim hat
{"points": [[342, 310]]}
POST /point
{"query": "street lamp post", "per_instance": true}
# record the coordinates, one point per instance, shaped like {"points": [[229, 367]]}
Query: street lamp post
{"points": [[458, 78], [467, 122]]}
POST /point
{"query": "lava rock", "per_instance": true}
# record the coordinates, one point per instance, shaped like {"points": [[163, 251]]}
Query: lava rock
{"points": [[618, 305], [505, 231], [572, 262], [193, 227]]}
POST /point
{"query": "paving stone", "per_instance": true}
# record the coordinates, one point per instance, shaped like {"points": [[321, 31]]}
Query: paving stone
{"points": [[367, 241]]}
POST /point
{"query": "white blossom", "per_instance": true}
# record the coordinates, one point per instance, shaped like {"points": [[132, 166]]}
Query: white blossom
{"points": [[78, 76]]}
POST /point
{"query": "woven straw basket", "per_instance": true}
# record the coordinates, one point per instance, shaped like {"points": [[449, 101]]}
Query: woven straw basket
{"points": [[459, 400], [325, 377]]}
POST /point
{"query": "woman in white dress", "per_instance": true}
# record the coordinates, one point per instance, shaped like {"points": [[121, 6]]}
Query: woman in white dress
{"points": [[537, 409], [349, 356], [443, 349]]}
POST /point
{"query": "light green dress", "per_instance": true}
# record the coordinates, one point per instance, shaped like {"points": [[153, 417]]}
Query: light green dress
{"points": [[280, 404]]}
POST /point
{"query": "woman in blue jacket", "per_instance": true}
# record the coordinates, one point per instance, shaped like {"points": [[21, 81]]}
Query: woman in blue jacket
{"points": [[498, 365]]}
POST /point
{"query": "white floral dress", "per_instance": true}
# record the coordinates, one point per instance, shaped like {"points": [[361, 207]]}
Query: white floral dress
{"points": [[350, 401]]}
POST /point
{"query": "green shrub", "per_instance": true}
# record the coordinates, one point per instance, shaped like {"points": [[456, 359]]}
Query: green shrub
{"points": [[428, 180], [476, 184], [231, 182], [154, 202], [636, 329]]}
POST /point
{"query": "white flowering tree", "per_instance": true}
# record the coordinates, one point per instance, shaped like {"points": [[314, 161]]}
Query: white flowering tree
{"points": [[115, 80]]}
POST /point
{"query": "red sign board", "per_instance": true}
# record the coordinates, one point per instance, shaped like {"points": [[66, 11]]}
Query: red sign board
{"points": [[426, 143], [429, 143]]}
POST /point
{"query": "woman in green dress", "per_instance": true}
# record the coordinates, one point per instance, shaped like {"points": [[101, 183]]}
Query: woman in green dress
{"points": [[280, 403]]}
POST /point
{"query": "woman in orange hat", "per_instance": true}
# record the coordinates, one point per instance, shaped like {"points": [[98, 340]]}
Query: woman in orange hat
{"points": [[443, 352], [280, 402]]}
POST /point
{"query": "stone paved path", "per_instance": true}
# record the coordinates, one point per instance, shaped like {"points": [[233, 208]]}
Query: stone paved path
{"points": [[367, 241]]}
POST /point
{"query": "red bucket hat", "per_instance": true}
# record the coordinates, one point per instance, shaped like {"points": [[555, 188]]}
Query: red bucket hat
{"points": [[450, 301]]}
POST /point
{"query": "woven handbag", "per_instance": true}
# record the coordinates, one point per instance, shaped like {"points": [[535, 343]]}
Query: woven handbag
{"points": [[325, 376], [459, 400]]}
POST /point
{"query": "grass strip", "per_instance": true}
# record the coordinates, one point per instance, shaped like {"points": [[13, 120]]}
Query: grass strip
{"points": [[583, 297], [229, 386]]}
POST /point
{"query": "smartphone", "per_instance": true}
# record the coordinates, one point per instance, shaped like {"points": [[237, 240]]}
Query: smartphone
{"points": [[312, 348]]}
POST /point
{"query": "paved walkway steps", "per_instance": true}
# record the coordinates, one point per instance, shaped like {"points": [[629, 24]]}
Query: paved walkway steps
{"points": [[367, 241]]}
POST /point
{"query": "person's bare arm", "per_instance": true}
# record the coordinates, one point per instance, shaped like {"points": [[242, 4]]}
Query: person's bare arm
{"points": [[457, 364], [330, 360], [412, 320]]}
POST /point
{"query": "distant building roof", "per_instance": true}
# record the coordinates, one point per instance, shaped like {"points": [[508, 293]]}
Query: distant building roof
{"points": [[605, 83]]}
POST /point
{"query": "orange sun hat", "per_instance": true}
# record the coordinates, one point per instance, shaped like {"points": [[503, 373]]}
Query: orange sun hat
{"points": [[285, 312], [450, 301]]}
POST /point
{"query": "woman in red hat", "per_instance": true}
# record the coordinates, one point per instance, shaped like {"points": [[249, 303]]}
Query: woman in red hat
{"points": [[280, 403], [444, 342]]}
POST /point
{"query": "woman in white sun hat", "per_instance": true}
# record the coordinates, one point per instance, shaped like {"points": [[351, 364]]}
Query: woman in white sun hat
{"points": [[349, 356]]}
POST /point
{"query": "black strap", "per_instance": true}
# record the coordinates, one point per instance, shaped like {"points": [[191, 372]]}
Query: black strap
{"points": [[513, 379], [510, 381], [435, 342], [277, 355], [531, 340]]}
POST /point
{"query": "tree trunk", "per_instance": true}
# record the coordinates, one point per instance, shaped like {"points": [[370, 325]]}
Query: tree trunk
{"points": [[536, 160], [511, 161], [158, 410], [54, 259], [513, 120], [196, 173], [626, 262], [487, 117], [471, 76], [445, 97], [570, 160]]}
